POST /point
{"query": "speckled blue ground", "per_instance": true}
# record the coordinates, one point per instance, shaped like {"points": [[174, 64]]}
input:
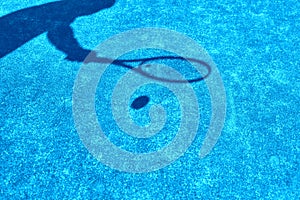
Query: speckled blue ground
{"points": [[255, 45]]}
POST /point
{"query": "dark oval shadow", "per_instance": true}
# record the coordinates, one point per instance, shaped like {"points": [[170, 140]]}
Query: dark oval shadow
{"points": [[140, 102]]}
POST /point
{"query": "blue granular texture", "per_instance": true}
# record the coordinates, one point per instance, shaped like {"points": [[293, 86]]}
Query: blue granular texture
{"points": [[255, 45]]}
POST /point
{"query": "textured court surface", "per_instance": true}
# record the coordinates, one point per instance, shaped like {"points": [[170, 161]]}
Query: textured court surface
{"points": [[256, 48]]}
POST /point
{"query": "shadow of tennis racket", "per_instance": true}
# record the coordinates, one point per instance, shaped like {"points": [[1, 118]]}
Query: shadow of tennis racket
{"points": [[92, 58]]}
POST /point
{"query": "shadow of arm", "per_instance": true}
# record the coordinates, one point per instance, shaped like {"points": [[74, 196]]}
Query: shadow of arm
{"points": [[62, 37]]}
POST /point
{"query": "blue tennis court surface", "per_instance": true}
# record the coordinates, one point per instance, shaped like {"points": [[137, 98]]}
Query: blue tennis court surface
{"points": [[255, 47]]}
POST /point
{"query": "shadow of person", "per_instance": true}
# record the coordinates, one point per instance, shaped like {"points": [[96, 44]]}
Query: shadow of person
{"points": [[55, 18]]}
